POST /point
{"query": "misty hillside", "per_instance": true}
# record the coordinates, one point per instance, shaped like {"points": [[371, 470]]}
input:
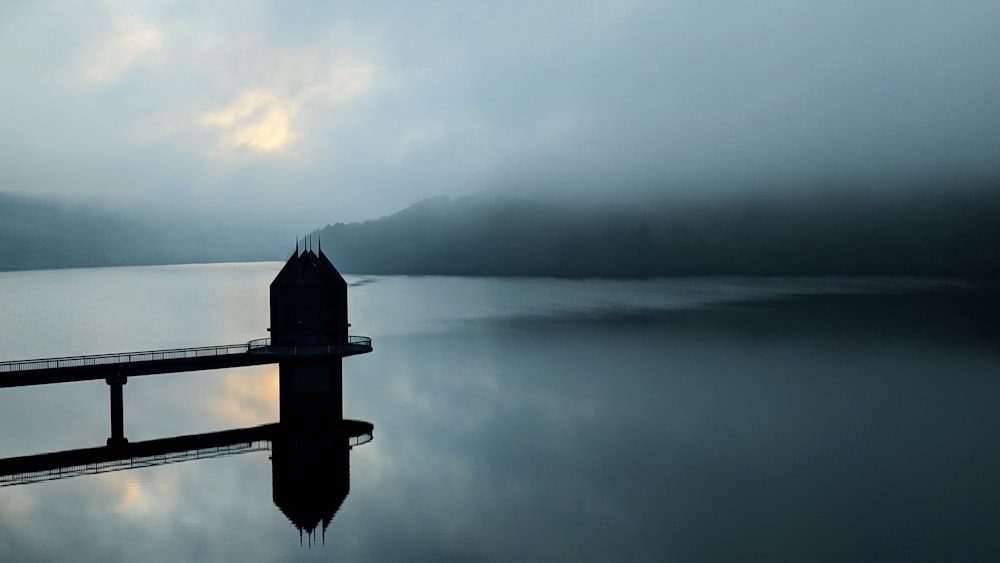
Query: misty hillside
{"points": [[836, 232], [37, 233], [843, 232]]}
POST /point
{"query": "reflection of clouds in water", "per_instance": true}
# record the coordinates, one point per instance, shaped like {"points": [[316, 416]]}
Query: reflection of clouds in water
{"points": [[421, 304], [496, 454], [18, 500], [193, 511], [138, 494], [132, 496], [249, 396], [718, 434], [705, 440]]}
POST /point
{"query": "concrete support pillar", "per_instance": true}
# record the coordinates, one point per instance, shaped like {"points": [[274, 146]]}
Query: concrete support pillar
{"points": [[117, 411], [311, 395]]}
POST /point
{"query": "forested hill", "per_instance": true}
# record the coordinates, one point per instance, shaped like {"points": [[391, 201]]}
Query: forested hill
{"points": [[940, 233], [854, 233], [37, 233]]}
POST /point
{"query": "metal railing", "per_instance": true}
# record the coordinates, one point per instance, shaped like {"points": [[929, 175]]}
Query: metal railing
{"points": [[28, 477], [76, 469], [354, 344], [355, 441]]}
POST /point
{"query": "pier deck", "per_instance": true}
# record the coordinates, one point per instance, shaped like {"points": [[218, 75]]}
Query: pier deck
{"points": [[130, 364]]}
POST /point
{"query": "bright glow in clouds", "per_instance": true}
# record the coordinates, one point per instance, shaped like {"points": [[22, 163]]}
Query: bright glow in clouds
{"points": [[257, 120], [131, 40], [261, 120]]}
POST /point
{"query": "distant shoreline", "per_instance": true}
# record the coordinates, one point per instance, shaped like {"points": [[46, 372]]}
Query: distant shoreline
{"points": [[933, 234], [976, 282]]}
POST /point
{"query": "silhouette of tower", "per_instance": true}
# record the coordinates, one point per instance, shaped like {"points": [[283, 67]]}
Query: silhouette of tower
{"points": [[309, 309], [310, 455], [311, 472], [310, 444]]}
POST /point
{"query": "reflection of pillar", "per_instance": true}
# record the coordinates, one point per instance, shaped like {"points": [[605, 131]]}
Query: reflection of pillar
{"points": [[310, 477], [117, 411], [311, 394]]}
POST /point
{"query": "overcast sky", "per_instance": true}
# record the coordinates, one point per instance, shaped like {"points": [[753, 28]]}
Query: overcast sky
{"points": [[315, 112]]}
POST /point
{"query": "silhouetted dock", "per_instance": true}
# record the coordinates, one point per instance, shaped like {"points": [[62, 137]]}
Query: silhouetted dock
{"points": [[130, 364], [91, 461], [309, 446], [309, 331]]}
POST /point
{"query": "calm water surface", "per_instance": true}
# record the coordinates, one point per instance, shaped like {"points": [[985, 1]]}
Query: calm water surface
{"points": [[705, 419]]}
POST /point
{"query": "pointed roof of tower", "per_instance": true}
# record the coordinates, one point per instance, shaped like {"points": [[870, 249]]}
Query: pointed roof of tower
{"points": [[307, 268]]}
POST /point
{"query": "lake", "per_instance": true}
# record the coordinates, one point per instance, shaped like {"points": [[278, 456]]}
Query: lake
{"points": [[689, 419]]}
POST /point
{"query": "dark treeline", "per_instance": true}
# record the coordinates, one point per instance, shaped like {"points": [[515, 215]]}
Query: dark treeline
{"points": [[37, 233], [927, 233], [930, 233], [42, 234]]}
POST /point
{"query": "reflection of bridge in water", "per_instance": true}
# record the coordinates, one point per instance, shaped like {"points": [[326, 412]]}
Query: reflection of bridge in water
{"points": [[310, 467], [91, 461], [51, 466], [310, 445]]}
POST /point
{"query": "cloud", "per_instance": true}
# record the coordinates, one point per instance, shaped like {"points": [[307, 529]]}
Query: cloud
{"points": [[128, 43], [262, 121], [366, 108], [258, 120], [346, 84]]}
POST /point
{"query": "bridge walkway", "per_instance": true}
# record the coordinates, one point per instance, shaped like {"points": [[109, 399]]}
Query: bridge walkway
{"points": [[90, 461], [45, 371]]}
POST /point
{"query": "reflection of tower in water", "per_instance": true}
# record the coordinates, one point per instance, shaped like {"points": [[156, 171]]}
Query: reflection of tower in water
{"points": [[310, 473], [310, 466], [311, 455]]}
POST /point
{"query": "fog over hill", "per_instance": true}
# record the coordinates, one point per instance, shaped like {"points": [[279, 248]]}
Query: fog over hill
{"points": [[614, 138], [849, 232], [317, 112], [819, 232], [41, 233]]}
